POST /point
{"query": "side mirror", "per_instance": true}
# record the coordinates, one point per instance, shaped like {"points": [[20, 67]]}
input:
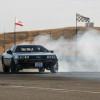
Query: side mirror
{"points": [[51, 51], [9, 52]]}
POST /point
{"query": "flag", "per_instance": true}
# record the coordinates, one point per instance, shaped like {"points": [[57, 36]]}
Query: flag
{"points": [[80, 18], [18, 22]]}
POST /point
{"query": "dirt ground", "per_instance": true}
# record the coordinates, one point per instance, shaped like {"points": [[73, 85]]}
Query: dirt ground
{"points": [[35, 86]]}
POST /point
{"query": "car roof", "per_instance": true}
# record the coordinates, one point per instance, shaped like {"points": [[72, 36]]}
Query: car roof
{"points": [[26, 45]]}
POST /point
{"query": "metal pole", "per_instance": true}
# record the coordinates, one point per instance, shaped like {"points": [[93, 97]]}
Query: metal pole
{"points": [[76, 26], [26, 36], [15, 32], [4, 40], [76, 34], [50, 34], [63, 33]]}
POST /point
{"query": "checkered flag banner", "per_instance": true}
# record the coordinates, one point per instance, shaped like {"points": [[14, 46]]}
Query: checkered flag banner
{"points": [[81, 18]]}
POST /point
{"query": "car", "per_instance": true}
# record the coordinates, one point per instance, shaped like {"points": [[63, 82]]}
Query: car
{"points": [[19, 57]]}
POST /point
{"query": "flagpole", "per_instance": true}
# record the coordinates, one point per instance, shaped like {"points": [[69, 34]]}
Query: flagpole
{"points": [[76, 26], [15, 32], [76, 34], [80, 18]]}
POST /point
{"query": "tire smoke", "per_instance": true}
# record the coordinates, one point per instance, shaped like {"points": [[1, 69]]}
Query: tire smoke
{"points": [[74, 55]]}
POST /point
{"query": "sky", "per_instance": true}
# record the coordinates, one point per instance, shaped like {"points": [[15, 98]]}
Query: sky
{"points": [[46, 14]]}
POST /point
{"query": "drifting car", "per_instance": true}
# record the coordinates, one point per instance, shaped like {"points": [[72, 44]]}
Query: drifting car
{"points": [[19, 57]]}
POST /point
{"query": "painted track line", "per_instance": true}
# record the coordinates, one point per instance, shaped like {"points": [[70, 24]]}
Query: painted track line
{"points": [[54, 89]]}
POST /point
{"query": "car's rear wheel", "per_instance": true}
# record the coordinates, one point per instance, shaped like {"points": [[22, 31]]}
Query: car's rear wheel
{"points": [[54, 69], [13, 67], [41, 70], [5, 68]]}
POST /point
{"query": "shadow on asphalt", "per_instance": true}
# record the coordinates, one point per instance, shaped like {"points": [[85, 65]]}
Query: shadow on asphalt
{"points": [[24, 73]]}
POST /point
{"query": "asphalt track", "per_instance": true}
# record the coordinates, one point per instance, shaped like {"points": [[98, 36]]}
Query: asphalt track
{"points": [[47, 86]]}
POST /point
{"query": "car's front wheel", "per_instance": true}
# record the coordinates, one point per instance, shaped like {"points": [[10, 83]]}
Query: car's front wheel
{"points": [[5, 68], [54, 69], [13, 67]]}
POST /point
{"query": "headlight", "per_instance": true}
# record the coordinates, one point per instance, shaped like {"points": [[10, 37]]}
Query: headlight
{"points": [[54, 57], [51, 57], [16, 57], [24, 57]]}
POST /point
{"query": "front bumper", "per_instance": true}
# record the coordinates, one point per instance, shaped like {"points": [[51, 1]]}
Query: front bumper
{"points": [[30, 63]]}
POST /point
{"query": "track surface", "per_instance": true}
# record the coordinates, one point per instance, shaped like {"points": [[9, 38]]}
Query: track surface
{"points": [[47, 86]]}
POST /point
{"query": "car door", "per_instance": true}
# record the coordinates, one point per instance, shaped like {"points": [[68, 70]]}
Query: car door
{"points": [[8, 56]]}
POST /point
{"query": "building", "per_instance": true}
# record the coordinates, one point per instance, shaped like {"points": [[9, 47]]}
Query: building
{"points": [[91, 24]]}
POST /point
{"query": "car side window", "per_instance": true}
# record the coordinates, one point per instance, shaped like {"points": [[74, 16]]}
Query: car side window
{"points": [[12, 48]]}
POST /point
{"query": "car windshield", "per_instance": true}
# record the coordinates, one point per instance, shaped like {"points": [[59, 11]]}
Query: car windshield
{"points": [[29, 48]]}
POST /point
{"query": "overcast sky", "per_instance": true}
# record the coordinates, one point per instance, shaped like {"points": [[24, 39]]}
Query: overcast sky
{"points": [[46, 14]]}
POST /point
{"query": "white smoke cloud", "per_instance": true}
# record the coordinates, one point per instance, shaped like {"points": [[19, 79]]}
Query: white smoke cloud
{"points": [[88, 51]]}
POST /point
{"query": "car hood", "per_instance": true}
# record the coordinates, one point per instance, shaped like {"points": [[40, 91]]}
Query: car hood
{"points": [[36, 53]]}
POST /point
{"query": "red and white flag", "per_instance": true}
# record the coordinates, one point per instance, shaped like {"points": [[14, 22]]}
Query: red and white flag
{"points": [[18, 22]]}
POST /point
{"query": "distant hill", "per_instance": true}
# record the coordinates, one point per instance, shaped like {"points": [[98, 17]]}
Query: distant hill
{"points": [[67, 32]]}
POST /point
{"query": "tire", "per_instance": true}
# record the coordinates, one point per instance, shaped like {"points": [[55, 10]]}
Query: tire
{"points": [[5, 68], [54, 69], [41, 70], [17, 70], [13, 67]]}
